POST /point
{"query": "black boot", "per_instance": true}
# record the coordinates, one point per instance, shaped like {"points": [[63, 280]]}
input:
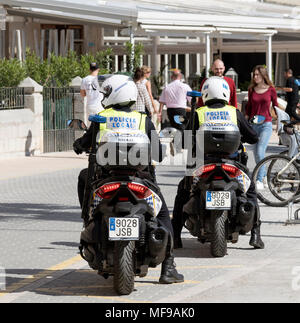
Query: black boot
{"points": [[255, 240], [169, 274]]}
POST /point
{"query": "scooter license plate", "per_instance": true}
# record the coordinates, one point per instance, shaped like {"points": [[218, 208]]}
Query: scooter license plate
{"points": [[123, 229], [218, 200]]}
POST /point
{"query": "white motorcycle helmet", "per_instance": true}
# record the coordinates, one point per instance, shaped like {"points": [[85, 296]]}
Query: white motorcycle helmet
{"points": [[118, 90], [217, 89]]}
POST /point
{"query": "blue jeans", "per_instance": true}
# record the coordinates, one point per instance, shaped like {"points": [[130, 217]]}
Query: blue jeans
{"points": [[264, 132]]}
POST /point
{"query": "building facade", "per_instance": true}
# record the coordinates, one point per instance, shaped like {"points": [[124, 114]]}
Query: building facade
{"points": [[173, 34]]}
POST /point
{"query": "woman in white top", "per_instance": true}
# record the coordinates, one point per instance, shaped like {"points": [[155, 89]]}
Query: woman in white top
{"points": [[143, 102], [147, 72], [154, 112]]}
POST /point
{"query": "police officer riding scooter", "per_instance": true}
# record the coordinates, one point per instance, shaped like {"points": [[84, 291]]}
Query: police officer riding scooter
{"points": [[215, 95], [120, 93]]}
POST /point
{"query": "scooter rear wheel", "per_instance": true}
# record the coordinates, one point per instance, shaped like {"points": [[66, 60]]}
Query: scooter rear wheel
{"points": [[124, 267], [218, 245]]}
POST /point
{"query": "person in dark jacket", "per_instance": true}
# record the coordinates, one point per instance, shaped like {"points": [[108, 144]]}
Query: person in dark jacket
{"points": [[292, 94], [216, 95]]}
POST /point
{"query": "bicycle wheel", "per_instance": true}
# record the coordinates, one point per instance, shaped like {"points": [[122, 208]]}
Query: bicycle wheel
{"points": [[278, 189]]}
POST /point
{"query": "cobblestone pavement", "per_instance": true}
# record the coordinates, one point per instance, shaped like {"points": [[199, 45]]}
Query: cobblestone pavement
{"points": [[39, 262]]}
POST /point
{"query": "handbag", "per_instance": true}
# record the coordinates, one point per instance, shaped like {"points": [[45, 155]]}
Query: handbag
{"points": [[258, 119]]}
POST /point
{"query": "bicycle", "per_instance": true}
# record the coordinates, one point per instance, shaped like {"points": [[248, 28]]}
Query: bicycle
{"points": [[282, 172]]}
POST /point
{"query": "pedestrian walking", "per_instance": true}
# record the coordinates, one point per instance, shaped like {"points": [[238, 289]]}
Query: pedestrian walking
{"points": [[292, 94], [218, 69], [174, 96], [143, 102], [147, 72], [261, 98], [91, 90]]}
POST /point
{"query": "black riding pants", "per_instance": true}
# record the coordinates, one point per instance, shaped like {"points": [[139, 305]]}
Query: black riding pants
{"points": [[172, 112]]}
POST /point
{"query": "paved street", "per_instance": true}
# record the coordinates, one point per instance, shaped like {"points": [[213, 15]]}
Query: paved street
{"points": [[40, 226]]}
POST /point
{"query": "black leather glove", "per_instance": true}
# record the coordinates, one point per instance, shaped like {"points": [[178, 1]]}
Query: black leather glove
{"points": [[77, 147]]}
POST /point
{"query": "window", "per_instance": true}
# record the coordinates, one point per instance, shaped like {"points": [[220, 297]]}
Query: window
{"points": [[73, 38]]}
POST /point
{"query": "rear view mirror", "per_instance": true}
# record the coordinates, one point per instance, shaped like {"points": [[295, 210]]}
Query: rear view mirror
{"points": [[77, 124], [97, 118]]}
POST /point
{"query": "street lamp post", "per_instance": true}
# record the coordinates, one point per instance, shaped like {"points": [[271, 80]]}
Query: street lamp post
{"points": [[131, 34], [207, 38], [269, 57]]}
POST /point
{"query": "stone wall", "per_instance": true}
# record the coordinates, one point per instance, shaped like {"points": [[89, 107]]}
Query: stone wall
{"points": [[21, 130]]}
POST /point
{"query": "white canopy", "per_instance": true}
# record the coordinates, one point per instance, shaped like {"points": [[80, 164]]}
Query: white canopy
{"points": [[242, 19], [239, 15]]}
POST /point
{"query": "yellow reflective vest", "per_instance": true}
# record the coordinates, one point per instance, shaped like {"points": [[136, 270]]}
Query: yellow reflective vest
{"points": [[227, 114], [121, 121]]}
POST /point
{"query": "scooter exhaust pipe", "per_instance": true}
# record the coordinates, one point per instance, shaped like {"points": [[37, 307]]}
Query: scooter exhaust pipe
{"points": [[158, 241], [246, 213]]}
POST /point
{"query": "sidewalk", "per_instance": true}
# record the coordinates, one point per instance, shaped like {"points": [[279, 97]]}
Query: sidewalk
{"points": [[45, 163], [40, 164]]}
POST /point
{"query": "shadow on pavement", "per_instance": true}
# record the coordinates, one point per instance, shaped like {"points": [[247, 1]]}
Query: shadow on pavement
{"points": [[82, 282], [62, 244], [47, 212], [192, 248], [65, 243], [78, 283]]}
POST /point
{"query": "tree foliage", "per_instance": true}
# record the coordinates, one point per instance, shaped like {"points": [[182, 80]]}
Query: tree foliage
{"points": [[12, 72], [57, 71], [138, 51]]}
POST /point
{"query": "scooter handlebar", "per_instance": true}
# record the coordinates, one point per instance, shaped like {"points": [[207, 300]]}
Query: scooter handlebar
{"points": [[194, 94]]}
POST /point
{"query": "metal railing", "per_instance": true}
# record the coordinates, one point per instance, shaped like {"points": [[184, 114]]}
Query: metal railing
{"points": [[11, 98], [58, 107]]}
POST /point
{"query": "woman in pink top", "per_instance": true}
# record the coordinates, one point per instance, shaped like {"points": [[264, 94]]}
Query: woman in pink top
{"points": [[261, 97]]}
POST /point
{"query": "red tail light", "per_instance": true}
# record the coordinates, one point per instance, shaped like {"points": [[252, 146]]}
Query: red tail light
{"points": [[231, 170], [206, 169], [141, 191], [106, 191]]}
